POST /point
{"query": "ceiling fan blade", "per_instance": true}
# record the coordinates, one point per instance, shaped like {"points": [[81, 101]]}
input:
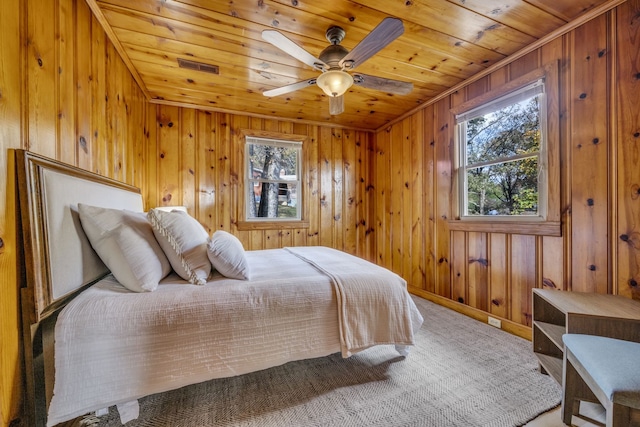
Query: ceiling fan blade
{"points": [[386, 32], [386, 85], [285, 44], [336, 105], [289, 88]]}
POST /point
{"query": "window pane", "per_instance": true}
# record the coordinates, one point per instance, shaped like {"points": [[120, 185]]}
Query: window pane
{"points": [[273, 163], [509, 188], [510, 131], [287, 201]]}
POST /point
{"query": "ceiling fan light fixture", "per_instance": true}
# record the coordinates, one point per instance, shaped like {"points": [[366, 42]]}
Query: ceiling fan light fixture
{"points": [[334, 82]]}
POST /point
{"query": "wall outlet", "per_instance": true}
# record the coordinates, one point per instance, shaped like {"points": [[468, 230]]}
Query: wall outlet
{"points": [[494, 322]]}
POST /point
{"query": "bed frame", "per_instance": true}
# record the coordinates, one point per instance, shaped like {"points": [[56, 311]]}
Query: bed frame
{"points": [[59, 261]]}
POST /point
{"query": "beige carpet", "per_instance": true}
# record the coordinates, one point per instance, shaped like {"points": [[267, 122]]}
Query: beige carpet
{"points": [[460, 373]]}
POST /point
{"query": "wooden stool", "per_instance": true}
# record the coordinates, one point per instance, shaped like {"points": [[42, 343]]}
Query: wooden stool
{"points": [[604, 370]]}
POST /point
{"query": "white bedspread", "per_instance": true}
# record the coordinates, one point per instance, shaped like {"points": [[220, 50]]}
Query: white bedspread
{"points": [[114, 346]]}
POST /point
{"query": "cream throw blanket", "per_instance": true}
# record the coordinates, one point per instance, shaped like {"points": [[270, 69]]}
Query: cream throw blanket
{"points": [[365, 292]]}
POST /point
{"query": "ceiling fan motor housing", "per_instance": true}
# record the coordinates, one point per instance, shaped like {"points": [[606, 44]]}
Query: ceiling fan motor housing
{"points": [[332, 55]]}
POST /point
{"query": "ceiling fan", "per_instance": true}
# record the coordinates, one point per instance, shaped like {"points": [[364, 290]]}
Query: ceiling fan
{"points": [[334, 62]]}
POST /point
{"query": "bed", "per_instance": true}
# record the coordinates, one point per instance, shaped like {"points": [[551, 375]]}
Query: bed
{"points": [[91, 343]]}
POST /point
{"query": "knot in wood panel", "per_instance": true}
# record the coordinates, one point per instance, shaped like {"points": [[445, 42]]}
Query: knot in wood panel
{"points": [[482, 261], [632, 239], [83, 144]]}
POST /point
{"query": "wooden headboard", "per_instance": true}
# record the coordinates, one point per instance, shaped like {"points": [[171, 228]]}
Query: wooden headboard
{"points": [[59, 261], [58, 257]]}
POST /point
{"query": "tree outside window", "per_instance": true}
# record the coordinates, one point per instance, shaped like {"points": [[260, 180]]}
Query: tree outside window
{"points": [[501, 146], [273, 178]]}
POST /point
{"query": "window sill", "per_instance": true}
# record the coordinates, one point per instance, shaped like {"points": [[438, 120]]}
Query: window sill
{"points": [[271, 225], [536, 228]]}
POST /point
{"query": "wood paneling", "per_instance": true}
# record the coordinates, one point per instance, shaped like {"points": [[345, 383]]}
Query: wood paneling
{"points": [[499, 274], [442, 196], [589, 92], [597, 122], [11, 131], [196, 160], [626, 173], [64, 93]]}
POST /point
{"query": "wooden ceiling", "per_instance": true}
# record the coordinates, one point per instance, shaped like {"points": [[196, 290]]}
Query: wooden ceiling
{"points": [[444, 43]]}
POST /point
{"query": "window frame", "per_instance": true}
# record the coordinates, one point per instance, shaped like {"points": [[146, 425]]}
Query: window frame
{"points": [[254, 182], [245, 223], [548, 221], [536, 88]]}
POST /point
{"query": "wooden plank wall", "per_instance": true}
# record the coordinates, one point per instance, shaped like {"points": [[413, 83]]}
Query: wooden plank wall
{"points": [[10, 137], [599, 250], [194, 158], [64, 93]]}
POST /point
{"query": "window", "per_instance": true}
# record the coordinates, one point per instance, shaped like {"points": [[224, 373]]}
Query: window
{"points": [[502, 170], [273, 179]]}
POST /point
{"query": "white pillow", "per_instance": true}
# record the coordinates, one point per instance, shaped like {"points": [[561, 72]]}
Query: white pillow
{"points": [[184, 241], [124, 241], [227, 255]]}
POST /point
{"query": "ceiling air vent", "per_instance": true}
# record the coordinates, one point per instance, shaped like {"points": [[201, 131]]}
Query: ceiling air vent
{"points": [[198, 66]]}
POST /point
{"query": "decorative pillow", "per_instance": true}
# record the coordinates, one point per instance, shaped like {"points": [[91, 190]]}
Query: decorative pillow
{"points": [[184, 241], [124, 241], [227, 255]]}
